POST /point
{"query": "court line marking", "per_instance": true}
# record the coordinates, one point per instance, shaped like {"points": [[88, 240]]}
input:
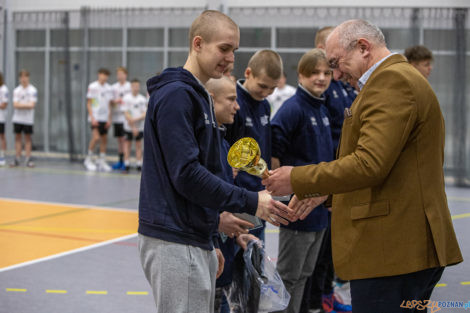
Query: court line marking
{"points": [[459, 216], [72, 205], [137, 293], [30, 233], [56, 291], [459, 199], [15, 290], [62, 254], [67, 229], [96, 292], [465, 283], [441, 285]]}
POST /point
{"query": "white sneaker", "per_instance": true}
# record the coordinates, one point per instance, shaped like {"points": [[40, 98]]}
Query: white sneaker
{"points": [[89, 164], [2, 162], [103, 166]]}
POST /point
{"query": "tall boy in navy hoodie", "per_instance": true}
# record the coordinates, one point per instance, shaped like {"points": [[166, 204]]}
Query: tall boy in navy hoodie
{"points": [[253, 119], [302, 135], [181, 187]]}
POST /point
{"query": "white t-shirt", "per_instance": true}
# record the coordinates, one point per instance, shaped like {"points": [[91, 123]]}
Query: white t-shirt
{"points": [[119, 92], [24, 95], [277, 98], [135, 106], [100, 96], [3, 99]]}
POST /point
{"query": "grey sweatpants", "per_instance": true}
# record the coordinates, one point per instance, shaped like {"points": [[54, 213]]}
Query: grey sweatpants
{"points": [[298, 253], [182, 277]]}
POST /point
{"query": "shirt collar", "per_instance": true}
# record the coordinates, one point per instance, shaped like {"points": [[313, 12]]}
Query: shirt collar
{"points": [[365, 77], [310, 94]]}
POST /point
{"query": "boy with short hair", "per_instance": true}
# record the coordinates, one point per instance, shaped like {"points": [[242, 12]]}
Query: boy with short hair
{"points": [[3, 115], [262, 76], [121, 88], [182, 189], [99, 97], [421, 58], [25, 97], [302, 135], [134, 106]]}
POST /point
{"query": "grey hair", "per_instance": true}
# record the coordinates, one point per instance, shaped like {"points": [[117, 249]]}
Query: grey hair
{"points": [[352, 30]]}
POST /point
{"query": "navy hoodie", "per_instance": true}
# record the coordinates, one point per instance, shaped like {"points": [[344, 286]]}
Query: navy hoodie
{"points": [[301, 136], [339, 96], [227, 247], [182, 189], [252, 120]]}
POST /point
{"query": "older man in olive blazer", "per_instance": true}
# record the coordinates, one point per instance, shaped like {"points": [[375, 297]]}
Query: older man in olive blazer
{"points": [[392, 233]]}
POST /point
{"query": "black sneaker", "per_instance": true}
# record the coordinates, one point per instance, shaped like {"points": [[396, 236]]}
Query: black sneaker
{"points": [[15, 163], [139, 168]]}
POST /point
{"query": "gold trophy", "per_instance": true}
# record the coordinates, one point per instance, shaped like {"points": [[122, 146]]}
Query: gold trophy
{"points": [[245, 155]]}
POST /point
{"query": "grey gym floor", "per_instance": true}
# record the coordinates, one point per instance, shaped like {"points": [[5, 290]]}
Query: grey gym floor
{"points": [[115, 267]]}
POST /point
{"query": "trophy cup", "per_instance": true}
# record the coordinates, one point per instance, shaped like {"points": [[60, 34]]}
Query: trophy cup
{"points": [[245, 155]]}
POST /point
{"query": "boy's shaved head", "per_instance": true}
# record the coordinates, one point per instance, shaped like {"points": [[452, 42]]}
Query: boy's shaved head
{"points": [[207, 24], [214, 86], [321, 35], [267, 62]]}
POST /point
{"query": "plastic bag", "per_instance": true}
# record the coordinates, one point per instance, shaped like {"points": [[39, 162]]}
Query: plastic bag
{"points": [[256, 286]]}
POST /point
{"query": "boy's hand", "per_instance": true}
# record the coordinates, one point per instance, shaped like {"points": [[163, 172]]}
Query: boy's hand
{"points": [[233, 226], [108, 124], [135, 131], [235, 172], [94, 122], [221, 259], [244, 239], [273, 211]]}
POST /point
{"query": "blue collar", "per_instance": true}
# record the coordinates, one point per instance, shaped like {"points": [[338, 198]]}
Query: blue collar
{"points": [[365, 77]]}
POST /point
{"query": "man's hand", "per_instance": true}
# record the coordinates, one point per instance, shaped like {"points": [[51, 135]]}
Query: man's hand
{"points": [[278, 182], [244, 239], [273, 211], [302, 208], [232, 226], [221, 259]]}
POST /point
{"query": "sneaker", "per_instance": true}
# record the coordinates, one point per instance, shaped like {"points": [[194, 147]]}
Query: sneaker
{"points": [[103, 166], [342, 295], [2, 162], [123, 167], [118, 166], [89, 164], [327, 303], [139, 168], [15, 163], [29, 163]]}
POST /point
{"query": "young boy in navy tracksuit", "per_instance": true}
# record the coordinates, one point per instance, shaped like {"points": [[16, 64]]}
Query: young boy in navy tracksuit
{"points": [[181, 189], [224, 93], [253, 119], [302, 135]]}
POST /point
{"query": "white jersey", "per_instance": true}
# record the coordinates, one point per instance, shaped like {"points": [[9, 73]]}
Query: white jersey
{"points": [[277, 98], [3, 99], [100, 96], [119, 92], [135, 106], [24, 95]]}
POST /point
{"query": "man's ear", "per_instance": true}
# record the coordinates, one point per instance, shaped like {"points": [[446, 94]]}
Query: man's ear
{"points": [[197, 43], [248, 72], [364, 46]]}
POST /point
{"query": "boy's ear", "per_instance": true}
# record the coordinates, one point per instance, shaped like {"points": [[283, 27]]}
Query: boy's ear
{"points": [[197, 43], [248, 72]]}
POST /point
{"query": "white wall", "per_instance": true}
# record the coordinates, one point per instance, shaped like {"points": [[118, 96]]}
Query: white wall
{"points": [[51, 5]]}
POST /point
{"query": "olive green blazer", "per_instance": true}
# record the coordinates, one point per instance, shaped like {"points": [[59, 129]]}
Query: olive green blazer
{"points": [[390, 213]]}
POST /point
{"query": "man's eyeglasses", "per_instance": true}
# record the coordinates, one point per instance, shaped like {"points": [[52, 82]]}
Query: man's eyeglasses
{"points": [[333, 63]]}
